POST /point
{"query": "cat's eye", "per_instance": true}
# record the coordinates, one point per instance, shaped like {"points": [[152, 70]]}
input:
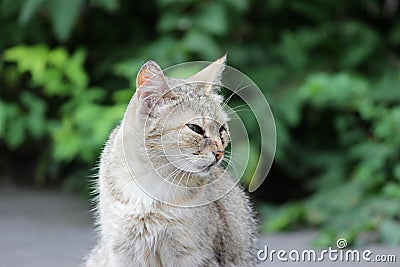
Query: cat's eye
{"points": [[195, 128], [221, 129]]}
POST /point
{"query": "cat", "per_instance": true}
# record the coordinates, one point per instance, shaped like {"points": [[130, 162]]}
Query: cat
{"points": [[163, 197]]}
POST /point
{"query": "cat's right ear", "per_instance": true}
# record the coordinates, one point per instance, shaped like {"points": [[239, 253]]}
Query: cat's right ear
{"points": [[211, 75], [152, 89]]}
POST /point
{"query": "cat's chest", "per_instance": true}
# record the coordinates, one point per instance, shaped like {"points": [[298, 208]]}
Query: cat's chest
{"points": [[147, 216], [152, 224], [157, 226]]}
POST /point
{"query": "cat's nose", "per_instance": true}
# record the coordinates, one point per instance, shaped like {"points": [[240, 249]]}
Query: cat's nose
{"points": [[219, 154]]}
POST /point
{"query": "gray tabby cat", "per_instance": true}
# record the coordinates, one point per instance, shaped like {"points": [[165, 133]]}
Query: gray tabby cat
{"points": [[175, 129]]}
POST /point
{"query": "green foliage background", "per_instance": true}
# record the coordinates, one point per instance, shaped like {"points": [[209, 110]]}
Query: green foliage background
{"points": [[329, 69]]}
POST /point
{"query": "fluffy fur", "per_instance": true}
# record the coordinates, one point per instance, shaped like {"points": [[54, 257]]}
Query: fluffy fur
{"points": [[154, 208]]}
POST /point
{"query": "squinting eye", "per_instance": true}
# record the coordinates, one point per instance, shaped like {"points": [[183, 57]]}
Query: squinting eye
{"points": [[222, 129], [195, 128]]}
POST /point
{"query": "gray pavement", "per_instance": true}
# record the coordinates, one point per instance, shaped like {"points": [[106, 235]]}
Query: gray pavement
{"points": [[43, 229], [49, 229]]}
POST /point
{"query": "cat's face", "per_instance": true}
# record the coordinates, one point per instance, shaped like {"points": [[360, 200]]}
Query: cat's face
{"points": [[194, 135], [184, 121]]}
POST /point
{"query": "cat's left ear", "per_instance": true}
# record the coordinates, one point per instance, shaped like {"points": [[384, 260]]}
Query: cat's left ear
{"points": [[211, 75], [152, 89]]}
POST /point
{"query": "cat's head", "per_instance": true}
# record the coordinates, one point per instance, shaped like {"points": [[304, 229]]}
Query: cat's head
{"points": [[185, 125]]}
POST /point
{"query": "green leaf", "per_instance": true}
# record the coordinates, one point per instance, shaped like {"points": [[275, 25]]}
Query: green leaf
{"points": [[15, 133], [110, 117], [58, 57], [63, 15], [123, 96], [292, 51], [29, 59], [35, 117], [396, 172], [241, 5], [361, 42], [128, 68], [324, 239], [75, 72], [289, 106], [109, 5], [29, 8], [341, 90], [392, 190], [201, 43], [10, 7], [212, 19], [388, 127], [67, 143], [171, 21], [3, 118], [284, 218], [53, 83], [389, 231], [382, 206]]}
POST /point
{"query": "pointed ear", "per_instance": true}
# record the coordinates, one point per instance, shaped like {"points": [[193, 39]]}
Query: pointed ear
{"points": [[211, 75], [152, 89]]}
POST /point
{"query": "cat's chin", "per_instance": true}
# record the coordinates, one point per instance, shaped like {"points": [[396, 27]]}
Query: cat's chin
{"points": [[205, 171]]}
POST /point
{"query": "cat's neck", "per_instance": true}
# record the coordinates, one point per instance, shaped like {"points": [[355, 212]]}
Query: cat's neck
{"points": [[168, 184]]}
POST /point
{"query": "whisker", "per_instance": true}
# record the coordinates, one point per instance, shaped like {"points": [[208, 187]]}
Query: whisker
{"points": [[237, 111], [174, 173]]}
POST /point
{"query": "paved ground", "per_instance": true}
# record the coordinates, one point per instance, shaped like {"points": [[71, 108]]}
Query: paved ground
{"points": [[54, 229]]}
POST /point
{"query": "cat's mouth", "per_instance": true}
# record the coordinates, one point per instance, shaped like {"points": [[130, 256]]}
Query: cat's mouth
{"points": [[204, 167], [204, 171]]}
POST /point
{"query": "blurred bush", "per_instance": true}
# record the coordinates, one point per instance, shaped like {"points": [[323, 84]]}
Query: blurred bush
{"points": [[329, 69]]}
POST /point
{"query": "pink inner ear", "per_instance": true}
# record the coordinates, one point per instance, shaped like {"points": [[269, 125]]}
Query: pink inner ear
{"points": [[152, 88], [143, 79]]}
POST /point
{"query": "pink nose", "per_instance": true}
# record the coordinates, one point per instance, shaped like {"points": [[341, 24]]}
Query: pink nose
{"points": [[219, 155]]}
